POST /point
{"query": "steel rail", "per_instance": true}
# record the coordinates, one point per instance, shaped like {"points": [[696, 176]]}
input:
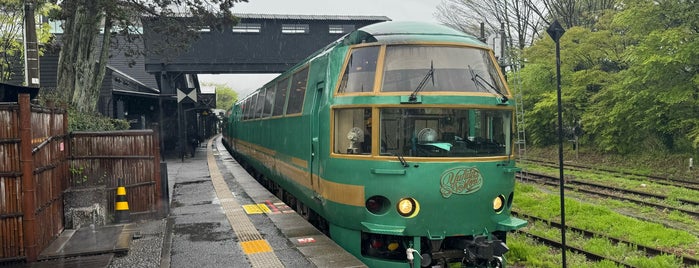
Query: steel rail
{"points": [[550, 180], [650, 251], [588, 255], [694, 185]]}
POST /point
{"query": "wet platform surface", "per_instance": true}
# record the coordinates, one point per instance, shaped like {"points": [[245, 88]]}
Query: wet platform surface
{"points": [[101, 260], [200, 229], [86, 247], [90, 241]]}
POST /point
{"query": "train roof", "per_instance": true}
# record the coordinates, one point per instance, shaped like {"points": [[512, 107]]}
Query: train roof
{"points": [[391, 32], [409, 31]]}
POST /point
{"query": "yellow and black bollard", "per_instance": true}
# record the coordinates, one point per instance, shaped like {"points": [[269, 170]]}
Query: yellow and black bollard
{"points": [[121, 209]]}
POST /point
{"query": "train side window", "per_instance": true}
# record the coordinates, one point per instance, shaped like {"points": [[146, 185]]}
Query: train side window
{"points": [[248, 107], [280, 97], [297, 92], [360, 70], [269, 101], [253, 107], [260, 103], [243, 107], [353, 131]]}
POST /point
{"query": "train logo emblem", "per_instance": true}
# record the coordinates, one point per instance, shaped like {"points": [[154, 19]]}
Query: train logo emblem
{"points": [[460, 180]]}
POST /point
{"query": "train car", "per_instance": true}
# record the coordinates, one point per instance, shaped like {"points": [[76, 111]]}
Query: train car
{"points": [[396, 139]]}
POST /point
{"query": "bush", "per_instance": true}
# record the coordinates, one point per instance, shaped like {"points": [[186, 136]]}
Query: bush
{"points": [[94, 122], [77, 121]]}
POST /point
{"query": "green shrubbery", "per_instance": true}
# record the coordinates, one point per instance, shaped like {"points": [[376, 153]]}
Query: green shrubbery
{"points": [[78, 121], [94, 122]]}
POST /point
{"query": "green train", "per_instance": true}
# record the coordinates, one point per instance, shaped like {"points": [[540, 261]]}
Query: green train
{"points": [[396, 140]]}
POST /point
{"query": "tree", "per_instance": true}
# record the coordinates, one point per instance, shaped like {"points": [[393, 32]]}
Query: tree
{"points": [[571, 13], [632, 79], [225, 96], [590, 62], [521, 24], [82, 65], [663, 73]]}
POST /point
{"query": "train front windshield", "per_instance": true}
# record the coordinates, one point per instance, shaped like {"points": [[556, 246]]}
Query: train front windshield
{"points": [[440, 132], [444, 68], [425, 132], [451, 69]]}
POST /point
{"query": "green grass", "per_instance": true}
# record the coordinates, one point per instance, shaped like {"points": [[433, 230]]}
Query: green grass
{"points": [[601, 219], [642, 224], [525, 252], [661, 163], [628, 182]]}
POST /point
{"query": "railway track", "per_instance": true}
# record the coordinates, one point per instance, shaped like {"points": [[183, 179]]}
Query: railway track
{"points": [[588, 255], [694, 185], [609, 192], [649, 251]]}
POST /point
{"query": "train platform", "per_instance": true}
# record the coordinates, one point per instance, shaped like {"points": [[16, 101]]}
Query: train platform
{"points": [[219, 217]]}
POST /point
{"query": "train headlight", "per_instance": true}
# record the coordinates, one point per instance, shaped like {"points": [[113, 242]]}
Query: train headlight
{"points": [[408, 207], [498, 203]]}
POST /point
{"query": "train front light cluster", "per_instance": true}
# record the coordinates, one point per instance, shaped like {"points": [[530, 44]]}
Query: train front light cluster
{"points": [[377, 204], [408, 207]]}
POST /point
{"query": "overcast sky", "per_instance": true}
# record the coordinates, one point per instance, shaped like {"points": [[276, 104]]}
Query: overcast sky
{"points": [[397, 10]]}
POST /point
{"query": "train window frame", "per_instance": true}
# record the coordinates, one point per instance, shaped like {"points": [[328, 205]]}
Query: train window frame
{"points": [[246, 109], [343, 80], [486, 68], [471, 131], [260, 103], [282, 86], [297, 91], [241, 112], [269, 102], [344, 119]]}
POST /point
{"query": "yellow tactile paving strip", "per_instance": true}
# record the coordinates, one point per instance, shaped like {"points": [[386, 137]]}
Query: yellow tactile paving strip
{"points": [[255, 246], [256, 209], [258, 251]]}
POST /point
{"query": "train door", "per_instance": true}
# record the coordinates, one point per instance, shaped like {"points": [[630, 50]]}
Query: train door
{"points": [[315, 137]]}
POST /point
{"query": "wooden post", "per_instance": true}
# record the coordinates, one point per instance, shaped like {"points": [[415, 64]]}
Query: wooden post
{"points": [[28, 188], [157, 176]]}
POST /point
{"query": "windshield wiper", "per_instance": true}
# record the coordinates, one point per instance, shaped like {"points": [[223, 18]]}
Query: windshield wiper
{"points": [[479, 81], [402, 160], [430, 73]]}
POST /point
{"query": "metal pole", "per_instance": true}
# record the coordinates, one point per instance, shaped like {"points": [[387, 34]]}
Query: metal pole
{"points": [[31, 47], [560, 152], [180, 137], [556, 31]]}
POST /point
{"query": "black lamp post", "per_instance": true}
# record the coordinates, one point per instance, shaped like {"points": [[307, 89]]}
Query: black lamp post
{"points": [[555, 30]]}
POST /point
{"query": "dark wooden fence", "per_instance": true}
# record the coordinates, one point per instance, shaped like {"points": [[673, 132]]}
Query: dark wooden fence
{"points": [[101, 158], [33, 168], [39, 161]]}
